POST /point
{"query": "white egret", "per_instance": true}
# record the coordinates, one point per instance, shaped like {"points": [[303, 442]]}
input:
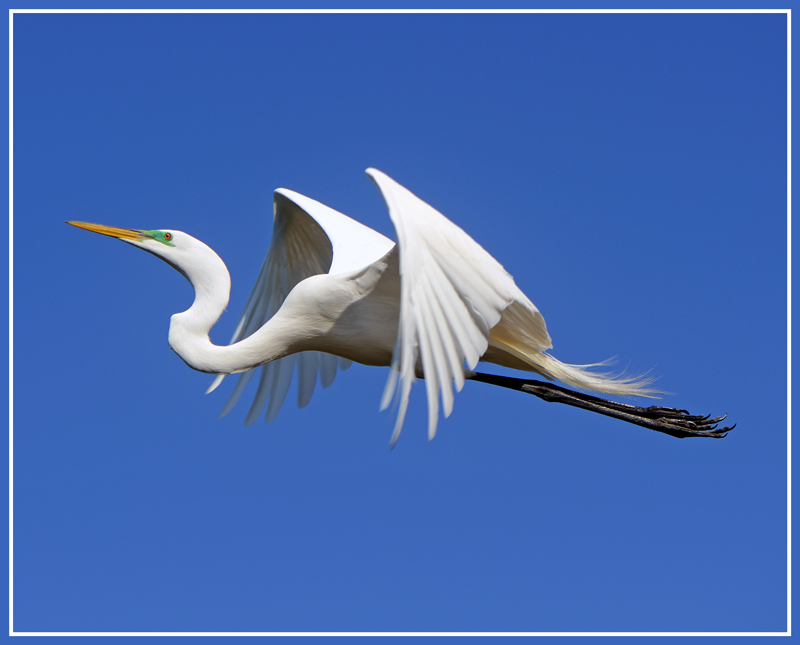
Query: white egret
{"points": [[332, 291]]}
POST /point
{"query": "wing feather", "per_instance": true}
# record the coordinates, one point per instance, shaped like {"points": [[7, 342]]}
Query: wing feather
{"points": [[299, 248], [282, 374], [307, 365], [263, 393], [452, 294], [327, 369], [433, 380], [244, 379], [445, 348]]}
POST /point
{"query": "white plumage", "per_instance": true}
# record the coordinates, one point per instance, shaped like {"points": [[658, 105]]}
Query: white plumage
{"points": [[332, 291]]}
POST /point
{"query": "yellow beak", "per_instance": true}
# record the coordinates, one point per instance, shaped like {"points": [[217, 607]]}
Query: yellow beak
{"points": [[112, 231]]}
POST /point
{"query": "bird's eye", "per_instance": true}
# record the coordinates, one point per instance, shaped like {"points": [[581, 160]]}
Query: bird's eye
{"points": [[167, 236]]}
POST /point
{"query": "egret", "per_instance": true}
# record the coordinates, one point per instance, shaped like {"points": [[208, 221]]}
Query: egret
{"points": [[332, 291]]}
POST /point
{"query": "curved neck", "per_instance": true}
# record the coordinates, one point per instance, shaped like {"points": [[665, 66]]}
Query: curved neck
{"points": [[188, 331]]}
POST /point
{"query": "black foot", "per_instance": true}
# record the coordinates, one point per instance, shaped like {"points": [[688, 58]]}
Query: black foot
{"points": [[671, 421]]}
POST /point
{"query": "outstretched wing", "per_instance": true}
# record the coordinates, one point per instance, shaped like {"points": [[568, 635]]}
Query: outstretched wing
{"points": [[452, 294], [299, 248]]}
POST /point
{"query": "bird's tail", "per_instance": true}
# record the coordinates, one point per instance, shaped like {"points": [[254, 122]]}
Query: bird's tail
{"points": [[584, 378]]}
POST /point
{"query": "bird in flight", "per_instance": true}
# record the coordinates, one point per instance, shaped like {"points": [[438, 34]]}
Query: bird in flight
{"points": [[332, 291]]}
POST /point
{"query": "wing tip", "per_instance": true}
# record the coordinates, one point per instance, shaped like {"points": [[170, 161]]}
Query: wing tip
{"points": [[376, 176]]}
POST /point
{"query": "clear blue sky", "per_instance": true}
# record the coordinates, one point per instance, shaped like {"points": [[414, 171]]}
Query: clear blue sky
{"points": [[628, 170]]}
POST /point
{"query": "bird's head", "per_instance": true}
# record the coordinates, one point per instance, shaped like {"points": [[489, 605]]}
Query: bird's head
{"points": [[196, 261], [165, 244]]}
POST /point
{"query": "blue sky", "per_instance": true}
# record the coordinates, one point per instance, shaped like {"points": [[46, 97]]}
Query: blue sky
{"points": [[628, 170]]}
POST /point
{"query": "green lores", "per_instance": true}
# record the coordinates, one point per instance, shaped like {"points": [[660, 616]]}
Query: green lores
{"points": [[162, 236]]}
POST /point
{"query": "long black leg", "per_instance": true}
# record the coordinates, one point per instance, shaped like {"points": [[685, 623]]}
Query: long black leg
{"points": [[671, 421]]}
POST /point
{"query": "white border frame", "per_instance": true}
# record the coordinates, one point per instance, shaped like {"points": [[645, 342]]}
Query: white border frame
{"points": [[11, 13]]}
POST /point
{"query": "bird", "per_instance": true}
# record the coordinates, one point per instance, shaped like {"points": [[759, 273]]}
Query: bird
{"points": [[431, 305]]}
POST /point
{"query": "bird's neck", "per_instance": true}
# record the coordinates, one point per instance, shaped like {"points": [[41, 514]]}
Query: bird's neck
{"points": [[188, 331]]}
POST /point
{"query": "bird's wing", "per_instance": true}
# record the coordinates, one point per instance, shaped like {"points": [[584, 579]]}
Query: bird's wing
{"points": [[308, 238], [452, 294]]}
